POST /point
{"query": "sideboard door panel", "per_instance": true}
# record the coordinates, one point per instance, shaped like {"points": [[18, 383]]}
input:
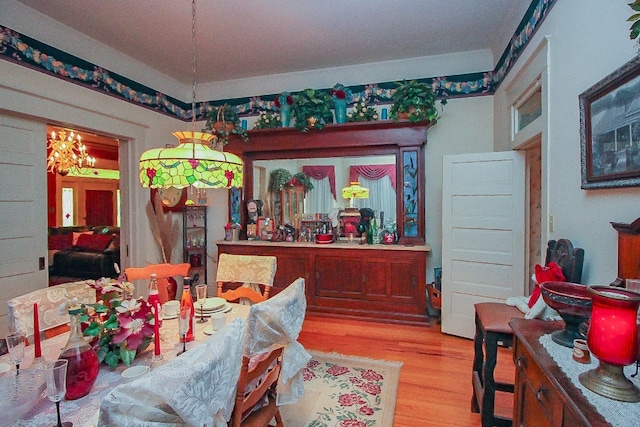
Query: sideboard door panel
{"points": [[338, 277]]}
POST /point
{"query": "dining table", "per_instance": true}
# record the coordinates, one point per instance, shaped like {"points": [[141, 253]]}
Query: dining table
{"points": [[83, 412]]}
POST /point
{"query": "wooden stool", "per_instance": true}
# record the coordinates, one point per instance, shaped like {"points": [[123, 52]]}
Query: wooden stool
{"points": [[492, 329]]}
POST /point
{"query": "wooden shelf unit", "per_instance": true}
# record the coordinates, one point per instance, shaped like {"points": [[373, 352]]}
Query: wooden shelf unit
{"points": [[194, 241]]}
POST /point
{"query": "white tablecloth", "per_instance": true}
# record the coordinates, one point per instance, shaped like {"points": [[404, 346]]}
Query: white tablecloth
{"points": [[81, 412], [616, 413]]}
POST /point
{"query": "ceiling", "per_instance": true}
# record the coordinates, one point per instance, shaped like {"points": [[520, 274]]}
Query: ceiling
{"points": [[249, 38]]}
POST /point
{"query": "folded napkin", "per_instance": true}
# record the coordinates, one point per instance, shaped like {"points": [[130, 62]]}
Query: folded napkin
{"points": [[196, 389]]}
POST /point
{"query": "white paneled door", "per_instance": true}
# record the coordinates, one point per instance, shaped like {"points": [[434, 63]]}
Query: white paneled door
{"points": [[483, 234], [23, 210]]}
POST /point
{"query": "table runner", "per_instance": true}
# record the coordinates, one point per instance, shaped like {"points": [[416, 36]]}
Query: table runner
{"points": [[81, 411], [614, 412]]}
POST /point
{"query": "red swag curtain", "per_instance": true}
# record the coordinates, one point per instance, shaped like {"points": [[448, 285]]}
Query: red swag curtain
{"points": [[321, 172], [373, 172]]}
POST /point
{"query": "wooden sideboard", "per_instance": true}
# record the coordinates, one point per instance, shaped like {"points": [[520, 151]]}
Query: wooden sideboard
{"points": [[544, 396], [382, 282]]}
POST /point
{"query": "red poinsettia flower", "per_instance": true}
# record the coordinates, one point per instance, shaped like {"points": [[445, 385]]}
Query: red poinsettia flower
{"points": [[134, 326]]}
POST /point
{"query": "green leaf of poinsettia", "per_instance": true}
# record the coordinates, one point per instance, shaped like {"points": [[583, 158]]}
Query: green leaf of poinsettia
{"points": [[112, 323], [112, 358], [93, 329], [127, 356]]}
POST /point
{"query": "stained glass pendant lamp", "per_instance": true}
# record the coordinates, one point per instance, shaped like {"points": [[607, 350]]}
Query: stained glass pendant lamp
{"points": [[193, 162], [354, 191]]}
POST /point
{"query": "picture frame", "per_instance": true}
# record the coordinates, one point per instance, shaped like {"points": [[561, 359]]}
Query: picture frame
{"points": [[610, 130]]}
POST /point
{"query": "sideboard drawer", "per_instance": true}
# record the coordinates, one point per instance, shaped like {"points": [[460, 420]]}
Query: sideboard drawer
{"points": [[540, 392]]}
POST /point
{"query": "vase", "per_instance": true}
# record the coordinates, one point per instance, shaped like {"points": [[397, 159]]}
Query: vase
{"points": [[83, 365], [613, 339], [340, 107], [285, 115]]}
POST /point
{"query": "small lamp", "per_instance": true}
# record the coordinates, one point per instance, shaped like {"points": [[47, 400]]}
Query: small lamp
{"points": [[613, 339], [354, 191]]}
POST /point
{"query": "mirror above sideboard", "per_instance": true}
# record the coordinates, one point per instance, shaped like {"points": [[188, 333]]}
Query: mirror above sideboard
{"points": [[263, 168], [344, 145]]}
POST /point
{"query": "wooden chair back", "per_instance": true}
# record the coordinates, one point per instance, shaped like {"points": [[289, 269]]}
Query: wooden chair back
{"points": [[246, 276], [163, 271], [569, 259], [257, 379]]}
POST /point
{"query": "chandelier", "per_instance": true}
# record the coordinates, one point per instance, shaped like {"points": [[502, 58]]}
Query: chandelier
{"points": [[354, 191], [67, 152], [193, 162]]}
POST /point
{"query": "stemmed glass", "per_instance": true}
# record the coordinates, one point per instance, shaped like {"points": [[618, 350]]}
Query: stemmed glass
{"points": [[201, 292], [56, 374], [15, 343], [183, 326]]}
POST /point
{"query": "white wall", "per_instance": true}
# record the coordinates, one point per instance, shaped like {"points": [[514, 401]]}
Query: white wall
{"points": [[587, 40], [465, 127]]}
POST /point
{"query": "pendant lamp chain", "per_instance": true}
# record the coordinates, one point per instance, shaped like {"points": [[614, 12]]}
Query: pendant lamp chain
{"points": [[193, 65], [193, 163]]}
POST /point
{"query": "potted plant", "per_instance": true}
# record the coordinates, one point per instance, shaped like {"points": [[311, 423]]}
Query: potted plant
{"points": [[415, 101], [303, 179], [362, 112], [311, 109], [224, 121], [278, 179], [267, 120]]}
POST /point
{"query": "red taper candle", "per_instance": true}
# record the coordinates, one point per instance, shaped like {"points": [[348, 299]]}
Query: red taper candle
{"points": [[156, 330], [36, 331]]}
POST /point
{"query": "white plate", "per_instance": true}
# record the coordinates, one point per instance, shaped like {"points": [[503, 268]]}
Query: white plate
{"points": [[168, 316], [222, 309], [209, 330], [212, 303]]}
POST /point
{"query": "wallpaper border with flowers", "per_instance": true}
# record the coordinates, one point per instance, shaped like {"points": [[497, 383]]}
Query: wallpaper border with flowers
{"points": [[29, 52]]}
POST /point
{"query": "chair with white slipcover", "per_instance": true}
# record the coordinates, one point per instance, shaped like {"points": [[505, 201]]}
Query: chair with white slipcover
{"points": [[245, 274], [195, 389], [52, 320]]}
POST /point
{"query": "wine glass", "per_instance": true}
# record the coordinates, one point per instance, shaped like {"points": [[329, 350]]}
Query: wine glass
{"points": [[183, 326], [201, 293], [16, 343], [56, 374]]}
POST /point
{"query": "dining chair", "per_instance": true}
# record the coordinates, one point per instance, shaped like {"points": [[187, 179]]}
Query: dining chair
{"points": [[52, 321], [197, 388], [164, 271], [245, 275], [493, 330], [273, 359]]}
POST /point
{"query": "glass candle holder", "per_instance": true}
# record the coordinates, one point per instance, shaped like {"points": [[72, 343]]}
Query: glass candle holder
{"points": [[613, 339]]}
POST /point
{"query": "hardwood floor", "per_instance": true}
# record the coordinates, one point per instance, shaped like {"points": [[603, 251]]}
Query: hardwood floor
{"points": [[435, 379]]}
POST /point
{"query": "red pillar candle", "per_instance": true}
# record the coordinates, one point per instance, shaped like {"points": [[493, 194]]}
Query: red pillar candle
{"points": [[156, 329], [36, 331]]}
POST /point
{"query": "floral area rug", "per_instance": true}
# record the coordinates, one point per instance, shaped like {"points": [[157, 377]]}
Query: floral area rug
{"points": [[345, 391]]}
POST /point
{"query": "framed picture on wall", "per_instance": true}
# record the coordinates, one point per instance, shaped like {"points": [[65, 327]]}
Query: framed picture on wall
{"points": [[610, 129]]}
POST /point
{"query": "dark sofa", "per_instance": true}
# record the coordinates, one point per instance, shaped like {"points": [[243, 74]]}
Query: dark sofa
{"points": [[84, 252]]}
